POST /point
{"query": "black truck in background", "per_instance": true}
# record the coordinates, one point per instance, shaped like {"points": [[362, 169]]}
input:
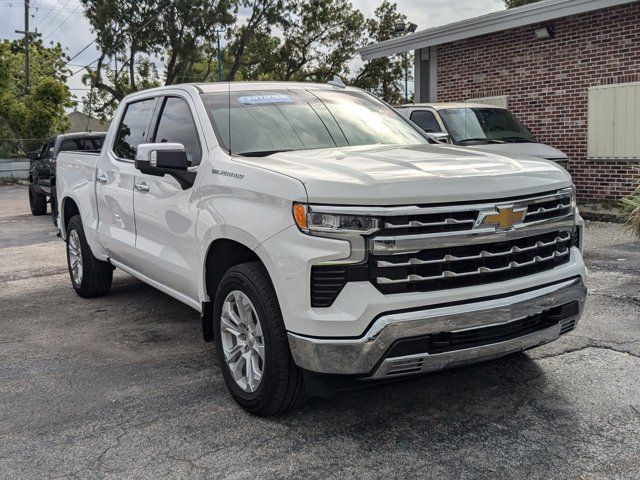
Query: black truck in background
{"points": [[42, 170]]}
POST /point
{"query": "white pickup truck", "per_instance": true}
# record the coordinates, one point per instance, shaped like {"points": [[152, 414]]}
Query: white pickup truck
{"points": [[322, 238]]}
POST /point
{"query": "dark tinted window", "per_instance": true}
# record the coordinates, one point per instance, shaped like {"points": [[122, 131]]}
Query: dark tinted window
{"points": [[176, 126], [87, 144], [47, 149], [426, 120], [134, 128]]}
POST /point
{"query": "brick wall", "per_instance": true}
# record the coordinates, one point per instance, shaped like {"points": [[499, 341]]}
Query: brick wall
{"points": [[547, 83]]}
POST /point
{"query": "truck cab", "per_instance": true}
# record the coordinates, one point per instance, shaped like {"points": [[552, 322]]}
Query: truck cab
{"points": [[481, 127]]}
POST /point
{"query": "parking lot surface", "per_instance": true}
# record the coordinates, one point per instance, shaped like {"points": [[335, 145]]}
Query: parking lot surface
{"points": [[124, 387]]}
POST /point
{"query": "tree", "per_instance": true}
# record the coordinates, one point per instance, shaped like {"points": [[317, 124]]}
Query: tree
{"points": [[115, 84], [130, 32], [187, 26], [264, 15], [319, 41], [519, 3], [382, 76], [294, 40], [26, 119]]}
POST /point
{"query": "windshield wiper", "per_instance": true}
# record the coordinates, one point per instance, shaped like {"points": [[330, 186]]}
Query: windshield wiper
{"points": [[484, 140], [518, 140], [465, 140], [263, 153]]}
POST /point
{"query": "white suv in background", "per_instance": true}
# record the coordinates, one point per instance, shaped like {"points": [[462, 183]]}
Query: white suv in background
{"points": [[487, 128]]}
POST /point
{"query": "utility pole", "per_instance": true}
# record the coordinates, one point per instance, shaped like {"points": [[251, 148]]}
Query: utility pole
{"points": [[219, 54], [27, 39]]}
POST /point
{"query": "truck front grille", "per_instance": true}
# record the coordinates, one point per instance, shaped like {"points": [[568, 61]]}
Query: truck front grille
{"points": [[468, 265], [422, 248], [463, 218]]}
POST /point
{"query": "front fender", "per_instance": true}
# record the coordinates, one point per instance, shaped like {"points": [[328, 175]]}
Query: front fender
{"points": [[245, 204]]}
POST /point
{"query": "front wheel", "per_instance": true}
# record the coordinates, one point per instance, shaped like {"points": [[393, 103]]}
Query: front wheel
{"points": [[251, 343], [90, 277]]}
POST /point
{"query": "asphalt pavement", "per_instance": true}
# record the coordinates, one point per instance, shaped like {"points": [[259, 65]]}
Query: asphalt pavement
{"points": [[124, 387]]}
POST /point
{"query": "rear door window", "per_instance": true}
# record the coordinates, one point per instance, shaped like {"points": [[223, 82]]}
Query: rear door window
{"points": [[176, 125], [44, 153], [134, 128], [426, 120]]}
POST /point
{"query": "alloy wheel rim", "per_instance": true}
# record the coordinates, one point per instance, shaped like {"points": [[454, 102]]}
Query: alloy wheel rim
{"points": [[75, 257], [242, 341]]}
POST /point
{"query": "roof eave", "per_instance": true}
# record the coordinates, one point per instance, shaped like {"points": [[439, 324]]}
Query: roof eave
{"points": [[493, 22]]}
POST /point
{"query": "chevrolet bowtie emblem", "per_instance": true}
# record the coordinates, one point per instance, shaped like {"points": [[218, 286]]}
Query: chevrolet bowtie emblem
{"points": [[505, 219]]}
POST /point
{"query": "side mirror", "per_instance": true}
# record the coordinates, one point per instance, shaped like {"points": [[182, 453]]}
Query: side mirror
{"points": [[438, 137], [162, 159], [33, 155]]}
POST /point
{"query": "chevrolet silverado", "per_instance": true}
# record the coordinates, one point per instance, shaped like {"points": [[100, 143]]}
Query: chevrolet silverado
{"points": [[320, 235]]}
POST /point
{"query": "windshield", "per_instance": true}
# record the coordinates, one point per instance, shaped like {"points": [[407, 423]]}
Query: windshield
{"points": [[269, 121], [479, 126]]}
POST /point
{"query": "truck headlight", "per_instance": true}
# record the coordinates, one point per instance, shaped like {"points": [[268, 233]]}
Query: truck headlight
{"points": [[313, 220]]}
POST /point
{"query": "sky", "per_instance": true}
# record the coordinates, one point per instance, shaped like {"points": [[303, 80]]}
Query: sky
{"points": [[62, 21]]}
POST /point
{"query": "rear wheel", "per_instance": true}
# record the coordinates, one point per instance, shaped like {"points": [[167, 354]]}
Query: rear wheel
{"points": [[37, 201], [90, 277], [251, 343]]}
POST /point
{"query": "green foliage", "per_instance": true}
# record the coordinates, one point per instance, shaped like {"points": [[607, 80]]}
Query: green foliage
{"points": [[383, 76], [314, 41], [129, 32], [244, 39], [320, 39], [286, 40], [107, 90], [631, 208], [518, 3], [41, 112]]}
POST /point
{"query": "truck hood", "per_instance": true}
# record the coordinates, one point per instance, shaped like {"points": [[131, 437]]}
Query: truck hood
{"points": [[538, 150], [416, 174]]}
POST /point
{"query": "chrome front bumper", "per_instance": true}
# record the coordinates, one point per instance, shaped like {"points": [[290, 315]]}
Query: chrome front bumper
{"points": [[367, 355]]}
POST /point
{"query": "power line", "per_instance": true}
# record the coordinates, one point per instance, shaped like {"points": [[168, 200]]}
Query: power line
{"points": [[54, 17], [36, 8], [85, 47], [47, 15], [107, 52], [11, 20], [63, 22]]}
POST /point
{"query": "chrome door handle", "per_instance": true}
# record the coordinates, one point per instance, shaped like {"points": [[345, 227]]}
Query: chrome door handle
{"points": [[102, 178], [142, 187]]}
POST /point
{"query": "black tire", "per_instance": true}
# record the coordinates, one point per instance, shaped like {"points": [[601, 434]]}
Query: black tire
{"points": [[37, 201], [96, 275], [281, 388], [54, 206]]}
